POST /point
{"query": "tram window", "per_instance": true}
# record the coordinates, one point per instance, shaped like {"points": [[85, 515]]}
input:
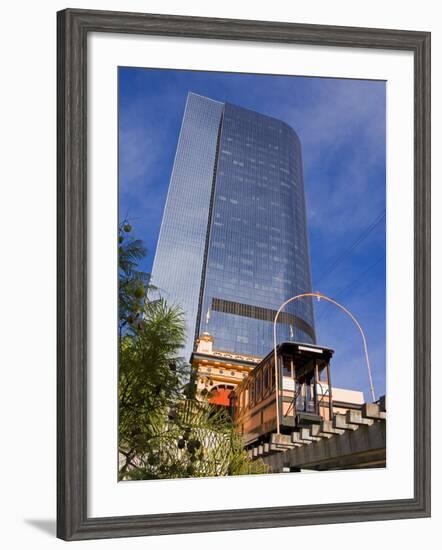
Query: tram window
{"points": [[272, 376], [286, 367], [258, 387], [309, 398], [265, 379]]}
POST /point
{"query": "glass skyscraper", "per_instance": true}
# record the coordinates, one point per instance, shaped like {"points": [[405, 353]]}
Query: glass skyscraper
{"points": [[233, 242]]}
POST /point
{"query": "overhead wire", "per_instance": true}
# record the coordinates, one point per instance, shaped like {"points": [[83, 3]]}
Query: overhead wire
{"points": [[343, 255], [344, 289]]}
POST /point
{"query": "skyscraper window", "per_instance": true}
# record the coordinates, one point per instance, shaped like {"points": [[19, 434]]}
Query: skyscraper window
{"points": [[212, 171]]}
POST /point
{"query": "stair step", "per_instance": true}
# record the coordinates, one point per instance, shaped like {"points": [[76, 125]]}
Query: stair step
{"points": [[355, 417], [278, 448], [280, 439], [298, 441], [340, 423], [315, 431], [306, 434], [372, 410], [328, 428]]}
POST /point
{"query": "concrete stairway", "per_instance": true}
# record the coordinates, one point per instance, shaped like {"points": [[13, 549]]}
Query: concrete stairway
{"points": [[354, 428]]}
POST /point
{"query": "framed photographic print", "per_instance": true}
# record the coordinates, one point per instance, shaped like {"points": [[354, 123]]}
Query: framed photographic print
{"points": [[243, 274]]}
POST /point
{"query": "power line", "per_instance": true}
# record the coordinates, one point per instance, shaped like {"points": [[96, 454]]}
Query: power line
{"points": [[347, 251], [346, 288]]}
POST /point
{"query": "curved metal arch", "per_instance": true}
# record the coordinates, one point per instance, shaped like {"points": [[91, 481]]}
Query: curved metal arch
{"points": [[341, 307]]}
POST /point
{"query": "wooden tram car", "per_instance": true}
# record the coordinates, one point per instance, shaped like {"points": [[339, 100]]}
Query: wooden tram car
{"points": [[303, 393]]}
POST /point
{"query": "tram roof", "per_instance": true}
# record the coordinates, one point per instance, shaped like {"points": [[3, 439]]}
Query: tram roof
{"points": [[302, 348]]}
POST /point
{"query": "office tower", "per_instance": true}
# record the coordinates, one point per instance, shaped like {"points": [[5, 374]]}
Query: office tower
{"points": [[233, 243]]}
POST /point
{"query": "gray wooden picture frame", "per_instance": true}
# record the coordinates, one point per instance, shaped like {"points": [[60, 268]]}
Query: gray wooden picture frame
{"points": [[73, 26]]}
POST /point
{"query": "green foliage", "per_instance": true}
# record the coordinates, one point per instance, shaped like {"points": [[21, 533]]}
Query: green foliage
{"points": [[133, 283], [164, 431], [151, 375], [198, 440]]}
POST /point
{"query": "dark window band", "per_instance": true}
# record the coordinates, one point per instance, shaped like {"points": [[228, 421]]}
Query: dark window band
{"points": [[263, 314]]}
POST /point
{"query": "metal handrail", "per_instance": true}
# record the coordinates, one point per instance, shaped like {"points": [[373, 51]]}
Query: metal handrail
{"points": [[295, 397], [345, 310]]}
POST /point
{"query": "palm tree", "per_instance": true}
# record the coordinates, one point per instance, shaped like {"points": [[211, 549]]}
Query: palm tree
{"points": [[164, 432], [196, 439], [150, 375]]}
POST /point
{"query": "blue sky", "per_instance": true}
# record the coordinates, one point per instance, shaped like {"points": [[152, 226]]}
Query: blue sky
{"points": [[341, 125]]}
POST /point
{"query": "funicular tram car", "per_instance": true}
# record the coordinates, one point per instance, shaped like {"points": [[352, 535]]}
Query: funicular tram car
{"points": [[303, 394]]}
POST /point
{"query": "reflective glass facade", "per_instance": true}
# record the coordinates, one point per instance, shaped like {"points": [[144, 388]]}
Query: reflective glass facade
{"points": [[258, 251], [245, 229], [178, 262]]}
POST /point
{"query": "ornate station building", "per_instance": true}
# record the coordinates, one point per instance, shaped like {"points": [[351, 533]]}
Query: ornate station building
{"points": [[219, 372]]}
